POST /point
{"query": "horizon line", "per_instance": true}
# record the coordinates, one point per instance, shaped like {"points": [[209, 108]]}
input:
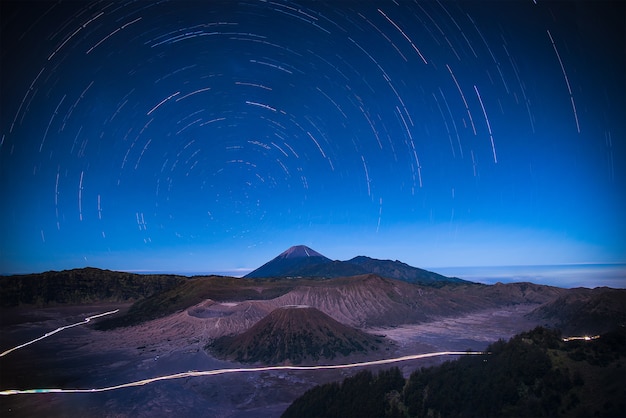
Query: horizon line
{"points": [[245, 270]]}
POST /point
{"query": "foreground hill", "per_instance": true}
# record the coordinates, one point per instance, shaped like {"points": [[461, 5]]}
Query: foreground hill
{"points": [[302, 261], [294, 334], [84, 285], [534, 374]]}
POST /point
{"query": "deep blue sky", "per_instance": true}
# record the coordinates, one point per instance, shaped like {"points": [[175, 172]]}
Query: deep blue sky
{"points": [[210, 136]]}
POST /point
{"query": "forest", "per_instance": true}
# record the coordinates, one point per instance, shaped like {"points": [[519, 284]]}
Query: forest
{"points": [[534, 374]]}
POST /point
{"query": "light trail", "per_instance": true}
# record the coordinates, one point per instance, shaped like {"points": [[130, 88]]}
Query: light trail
{"points": [[584, 338], [240, 370], [161, 102], [49, 334], [463, 98], [80, 196], [405, 36], [569, 88], [493, 147]]}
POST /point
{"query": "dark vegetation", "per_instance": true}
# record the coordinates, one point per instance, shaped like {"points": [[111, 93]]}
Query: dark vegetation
{"points": [[535, 374], [362, 395], [80, 286]]}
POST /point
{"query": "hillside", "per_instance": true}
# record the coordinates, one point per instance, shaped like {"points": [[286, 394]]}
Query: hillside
{"points": [[535, 374], [79, 286], [192, 292], [294, 334], [400, 271], [585, 311], [361, 301]]}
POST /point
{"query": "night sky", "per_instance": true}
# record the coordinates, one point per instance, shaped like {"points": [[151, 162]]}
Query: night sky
{"points": [[210, 136]]}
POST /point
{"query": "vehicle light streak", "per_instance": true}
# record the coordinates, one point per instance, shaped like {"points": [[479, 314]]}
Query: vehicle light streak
{"points": [[48, 334], [583, 338], [196, 373]]}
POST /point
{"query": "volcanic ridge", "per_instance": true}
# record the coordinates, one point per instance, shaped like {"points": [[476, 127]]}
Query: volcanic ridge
{"points": [[302, 261]]}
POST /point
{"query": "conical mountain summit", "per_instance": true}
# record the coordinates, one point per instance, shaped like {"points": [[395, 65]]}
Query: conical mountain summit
{"points": [[300, 251], [294, 333], [291, 263]]}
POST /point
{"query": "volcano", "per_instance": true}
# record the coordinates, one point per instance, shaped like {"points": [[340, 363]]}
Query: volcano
{"points": [[291, 262], [302, 261], [293, 334]]}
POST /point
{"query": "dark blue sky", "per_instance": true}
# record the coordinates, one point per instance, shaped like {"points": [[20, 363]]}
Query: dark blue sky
{"points": [[210, 136]]}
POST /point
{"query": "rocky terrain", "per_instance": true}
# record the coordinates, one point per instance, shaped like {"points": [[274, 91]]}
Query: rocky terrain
{"points": [[585, 311], [361, 301]]}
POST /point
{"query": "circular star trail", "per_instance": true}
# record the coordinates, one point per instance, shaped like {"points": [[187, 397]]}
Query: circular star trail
{"points": [[198, 136]]}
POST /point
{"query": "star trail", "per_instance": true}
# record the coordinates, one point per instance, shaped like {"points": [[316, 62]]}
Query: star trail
{"points": [[193, 136]]}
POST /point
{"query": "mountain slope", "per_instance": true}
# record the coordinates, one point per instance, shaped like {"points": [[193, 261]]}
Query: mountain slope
{"points": [[400, 271], [191, 292], [371, 300], [585, 311], [294, 334]]}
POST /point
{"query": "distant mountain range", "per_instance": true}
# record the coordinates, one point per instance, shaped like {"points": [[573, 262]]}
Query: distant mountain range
{"points": [[302, 261]]}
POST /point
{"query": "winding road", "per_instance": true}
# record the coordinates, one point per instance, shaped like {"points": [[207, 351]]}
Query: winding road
{"points": [[195, 373]]}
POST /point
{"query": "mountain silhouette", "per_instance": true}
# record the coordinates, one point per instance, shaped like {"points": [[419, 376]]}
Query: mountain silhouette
{"points": [[302, 261], [290, 263], [400, 271]]}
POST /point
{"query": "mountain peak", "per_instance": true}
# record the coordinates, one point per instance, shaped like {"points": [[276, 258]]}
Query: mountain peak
{"points": [[298, 251], [291, 263]]}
